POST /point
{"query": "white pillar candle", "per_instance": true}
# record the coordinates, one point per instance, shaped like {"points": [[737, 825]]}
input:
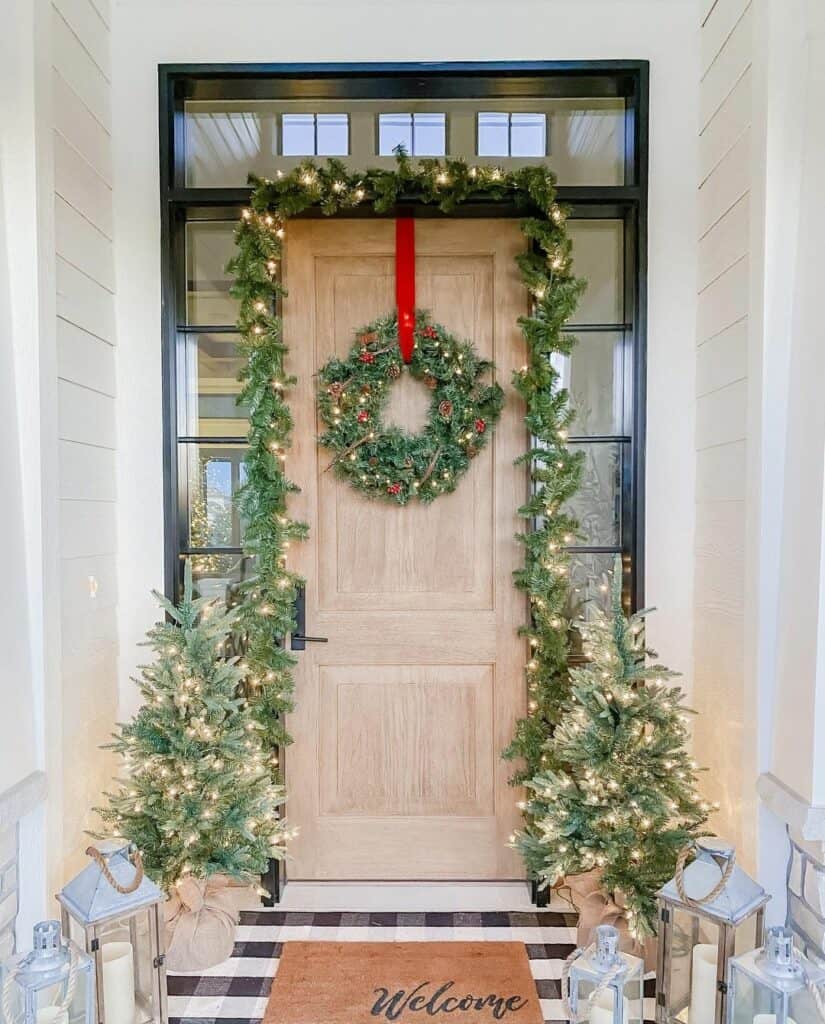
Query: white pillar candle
{"points": [[118, 983], [52, 1015], [703, 984], [601, 1008]]}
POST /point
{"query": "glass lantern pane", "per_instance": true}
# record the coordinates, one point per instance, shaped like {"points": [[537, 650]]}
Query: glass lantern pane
{"points": [[692, 969], [128, 949], [752, 1003], [607, 1008], [38, 996], [800, 1008]]}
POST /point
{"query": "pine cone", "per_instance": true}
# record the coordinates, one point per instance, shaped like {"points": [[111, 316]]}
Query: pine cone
{"points": [[445, 409], [430, 381], [472, 451], [368, 338], [336, 389], [393, 371], [373, 461]]}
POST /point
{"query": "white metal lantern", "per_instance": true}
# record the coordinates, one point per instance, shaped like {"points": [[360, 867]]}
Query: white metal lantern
{"points": [[606, 986], [708, 913], [117, 914], [53, 984], [775, 985]]}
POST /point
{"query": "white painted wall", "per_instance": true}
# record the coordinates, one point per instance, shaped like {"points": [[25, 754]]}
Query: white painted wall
{"points": [[725, 498], [148, 33], [80, 82], [59, 681]]}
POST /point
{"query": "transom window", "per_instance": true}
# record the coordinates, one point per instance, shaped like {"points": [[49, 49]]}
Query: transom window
{"points": [[237, 121], [418, 134], [314, 134], [507, 134]]}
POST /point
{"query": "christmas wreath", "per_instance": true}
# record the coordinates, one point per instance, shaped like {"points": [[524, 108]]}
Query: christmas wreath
{"points": [[385, 461]]}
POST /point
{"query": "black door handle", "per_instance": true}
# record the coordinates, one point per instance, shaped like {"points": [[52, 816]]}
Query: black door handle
{"points": [[299, 639]]}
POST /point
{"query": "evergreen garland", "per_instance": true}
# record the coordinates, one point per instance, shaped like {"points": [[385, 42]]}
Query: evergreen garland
{"points": [[546, 270], [620, 796], [197, 798], [384, 461]]}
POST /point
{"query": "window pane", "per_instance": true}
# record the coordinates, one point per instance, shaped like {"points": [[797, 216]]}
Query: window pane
{"points": [[298, 134], [209, 246], [528, 135], [213, 475], [430, 135], [217, 576], [594, 376], [394, 130], [333, 134], [208, 368], [588, 142], [597, 504], [493, 134], [224, 144], [598, 256], [590, 578]]}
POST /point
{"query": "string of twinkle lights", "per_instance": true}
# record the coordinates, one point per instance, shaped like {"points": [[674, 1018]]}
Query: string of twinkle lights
{"points": [[546, 267]]}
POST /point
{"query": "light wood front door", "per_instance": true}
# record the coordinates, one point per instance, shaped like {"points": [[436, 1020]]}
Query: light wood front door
{"points": [[395, 772]]}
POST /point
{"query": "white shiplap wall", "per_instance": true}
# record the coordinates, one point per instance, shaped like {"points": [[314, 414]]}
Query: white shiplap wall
{"points": [[87, 432], [724, 250]]}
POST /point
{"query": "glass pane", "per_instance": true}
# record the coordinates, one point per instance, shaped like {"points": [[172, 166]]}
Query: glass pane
{"points": [[594, 377], [493, 134], [209, 247], [225, 142], [128, 951], [213, 475], [597, 504], [590, 576], [598, 257], [430, 135], [694, 952], [208, 368], [333, 134], [528, 135], [394, 130], [298, 134], [217, 576], [588, 141]]}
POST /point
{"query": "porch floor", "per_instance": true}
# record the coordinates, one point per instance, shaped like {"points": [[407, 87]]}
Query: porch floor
{"points": [[237, 991]]}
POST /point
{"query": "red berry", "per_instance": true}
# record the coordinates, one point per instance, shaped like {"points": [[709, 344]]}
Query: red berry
{"points": [[367, 357], [481, 426], [363, 416], [393, 488]]}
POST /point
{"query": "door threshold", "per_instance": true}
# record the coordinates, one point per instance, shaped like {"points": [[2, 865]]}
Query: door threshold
{"points": [[409, 896]]}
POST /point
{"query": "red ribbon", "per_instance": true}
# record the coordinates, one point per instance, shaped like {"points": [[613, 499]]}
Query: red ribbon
{"points": [[405, 284]]}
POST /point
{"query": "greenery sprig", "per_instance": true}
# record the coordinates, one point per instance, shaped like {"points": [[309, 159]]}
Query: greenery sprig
{"points": [[382, 460], [547, 272]]}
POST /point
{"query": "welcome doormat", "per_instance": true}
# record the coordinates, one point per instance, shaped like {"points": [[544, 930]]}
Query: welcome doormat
{"points": [[403, 983]]}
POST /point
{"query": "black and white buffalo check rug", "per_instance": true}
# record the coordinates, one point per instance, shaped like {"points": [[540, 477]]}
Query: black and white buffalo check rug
{"points": [[237, 991]]}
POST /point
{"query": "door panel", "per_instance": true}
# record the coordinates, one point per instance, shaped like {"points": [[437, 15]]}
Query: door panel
{"points": [[395, 772]]}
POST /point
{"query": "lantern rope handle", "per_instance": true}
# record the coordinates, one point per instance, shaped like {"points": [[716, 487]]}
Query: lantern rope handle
{"points": [[134, 857], [714, 892], [565, 982], [62, 1004]]}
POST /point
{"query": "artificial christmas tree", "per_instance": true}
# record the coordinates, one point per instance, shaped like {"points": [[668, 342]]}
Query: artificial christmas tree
{"points": [[197, 797], [618, 793]]}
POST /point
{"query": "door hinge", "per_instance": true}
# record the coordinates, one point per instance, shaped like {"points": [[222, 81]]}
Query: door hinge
{"points": [[160, 960]]}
